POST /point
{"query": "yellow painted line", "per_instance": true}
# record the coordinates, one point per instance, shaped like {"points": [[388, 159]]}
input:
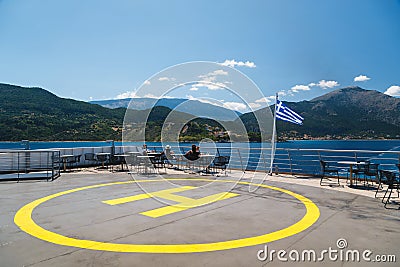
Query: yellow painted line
{"points": [[123, 200], [172, 197], [192, 203], [23, 219]]}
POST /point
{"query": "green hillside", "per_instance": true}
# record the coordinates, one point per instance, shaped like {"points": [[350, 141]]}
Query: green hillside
{"points": [[344, 113], [36, 114]]}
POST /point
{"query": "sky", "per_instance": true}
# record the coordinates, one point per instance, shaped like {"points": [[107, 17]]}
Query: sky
{"points": [[94, 49]]}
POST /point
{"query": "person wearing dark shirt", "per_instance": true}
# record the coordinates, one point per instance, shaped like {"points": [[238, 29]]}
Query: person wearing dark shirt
{"points": [[194, 153]]}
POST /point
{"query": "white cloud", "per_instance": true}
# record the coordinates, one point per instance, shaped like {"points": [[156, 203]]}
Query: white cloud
{"points": [[235, 106], [218, 72], [300, 87], [254, 105], [312, 84], [327, 84], [166, 79], [232, 63], [127, 94], [90, 98], [361, 78], [190, 97], [209, 80], [393, 90], [146, 82], [265, 99], [194, 89], [210, 85], [211, 76], [281, 93], [151, 96]]}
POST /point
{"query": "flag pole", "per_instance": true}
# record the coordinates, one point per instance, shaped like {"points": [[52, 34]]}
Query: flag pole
{"points": [[273, 139]]}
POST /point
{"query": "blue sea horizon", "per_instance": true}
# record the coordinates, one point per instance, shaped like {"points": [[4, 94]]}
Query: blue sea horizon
{"points": [[376, 145]]}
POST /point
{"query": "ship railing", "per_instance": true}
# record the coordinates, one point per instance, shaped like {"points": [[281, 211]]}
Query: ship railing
{"points": [[286, 160], [29, 164]]}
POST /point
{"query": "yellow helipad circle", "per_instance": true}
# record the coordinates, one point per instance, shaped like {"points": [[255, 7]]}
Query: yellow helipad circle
{"points": [[23, 219]]}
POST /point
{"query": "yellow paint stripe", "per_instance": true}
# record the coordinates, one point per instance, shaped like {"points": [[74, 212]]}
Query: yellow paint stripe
{"points": [[191, 203], [172, 197], [126, 199], [123, 200]]}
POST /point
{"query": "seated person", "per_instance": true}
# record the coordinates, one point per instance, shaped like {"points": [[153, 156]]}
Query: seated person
{"points": [[145, 150], [193, 154], [167, 155]]}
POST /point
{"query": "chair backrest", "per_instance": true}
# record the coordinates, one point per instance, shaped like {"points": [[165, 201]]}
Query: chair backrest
{"points": [[90, 156], [221, 160], [102, 158], [77, 158], [363, 167], [115, 159], [387, 175], [371, 169]]}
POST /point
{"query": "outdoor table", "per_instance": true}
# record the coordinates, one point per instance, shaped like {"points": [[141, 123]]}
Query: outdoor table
{"points": [[351, 164], [64, 159], [154, 154]]}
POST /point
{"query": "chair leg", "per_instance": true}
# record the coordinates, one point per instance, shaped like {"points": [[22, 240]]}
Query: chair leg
{"points": [[379, 186], [387, 190], [388, 199]]}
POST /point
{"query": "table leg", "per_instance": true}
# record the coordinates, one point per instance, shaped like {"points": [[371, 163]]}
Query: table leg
{"points": [[65, 165]]}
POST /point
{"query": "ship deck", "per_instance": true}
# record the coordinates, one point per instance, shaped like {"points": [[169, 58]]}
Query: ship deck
{"points": [[100, 218]]}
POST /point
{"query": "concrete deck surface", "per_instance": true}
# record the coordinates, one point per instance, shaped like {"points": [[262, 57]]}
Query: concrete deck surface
{"points": [[350, 214]]}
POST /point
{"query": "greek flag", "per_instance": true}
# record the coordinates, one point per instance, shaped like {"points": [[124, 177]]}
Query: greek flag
{"points": [[286, 114]]}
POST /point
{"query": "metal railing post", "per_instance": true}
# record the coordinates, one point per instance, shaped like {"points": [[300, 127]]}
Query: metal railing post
{"points": [[17, 166], [241, 162], [265, 164], [290, 162]]}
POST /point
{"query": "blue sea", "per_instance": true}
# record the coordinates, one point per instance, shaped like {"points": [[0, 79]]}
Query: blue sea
{"points": [[377, 145]]}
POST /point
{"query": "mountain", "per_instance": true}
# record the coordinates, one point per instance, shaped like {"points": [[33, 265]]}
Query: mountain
{"points": [[352, 112], [194, 107], [37, 114]]}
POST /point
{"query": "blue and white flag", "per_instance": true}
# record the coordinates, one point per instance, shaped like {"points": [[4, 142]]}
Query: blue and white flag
{"points": [[286, 114]]}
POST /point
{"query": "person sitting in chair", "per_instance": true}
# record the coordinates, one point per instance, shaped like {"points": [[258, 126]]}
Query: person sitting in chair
{"points": [[145, 150], [193, 154], [167, 155]]}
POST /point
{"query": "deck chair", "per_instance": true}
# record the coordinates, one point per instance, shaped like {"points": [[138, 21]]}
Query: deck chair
{"points": [[393, 182], [220, 163], [328, 170], [371, 170], [91, 157], [158, 163]]}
